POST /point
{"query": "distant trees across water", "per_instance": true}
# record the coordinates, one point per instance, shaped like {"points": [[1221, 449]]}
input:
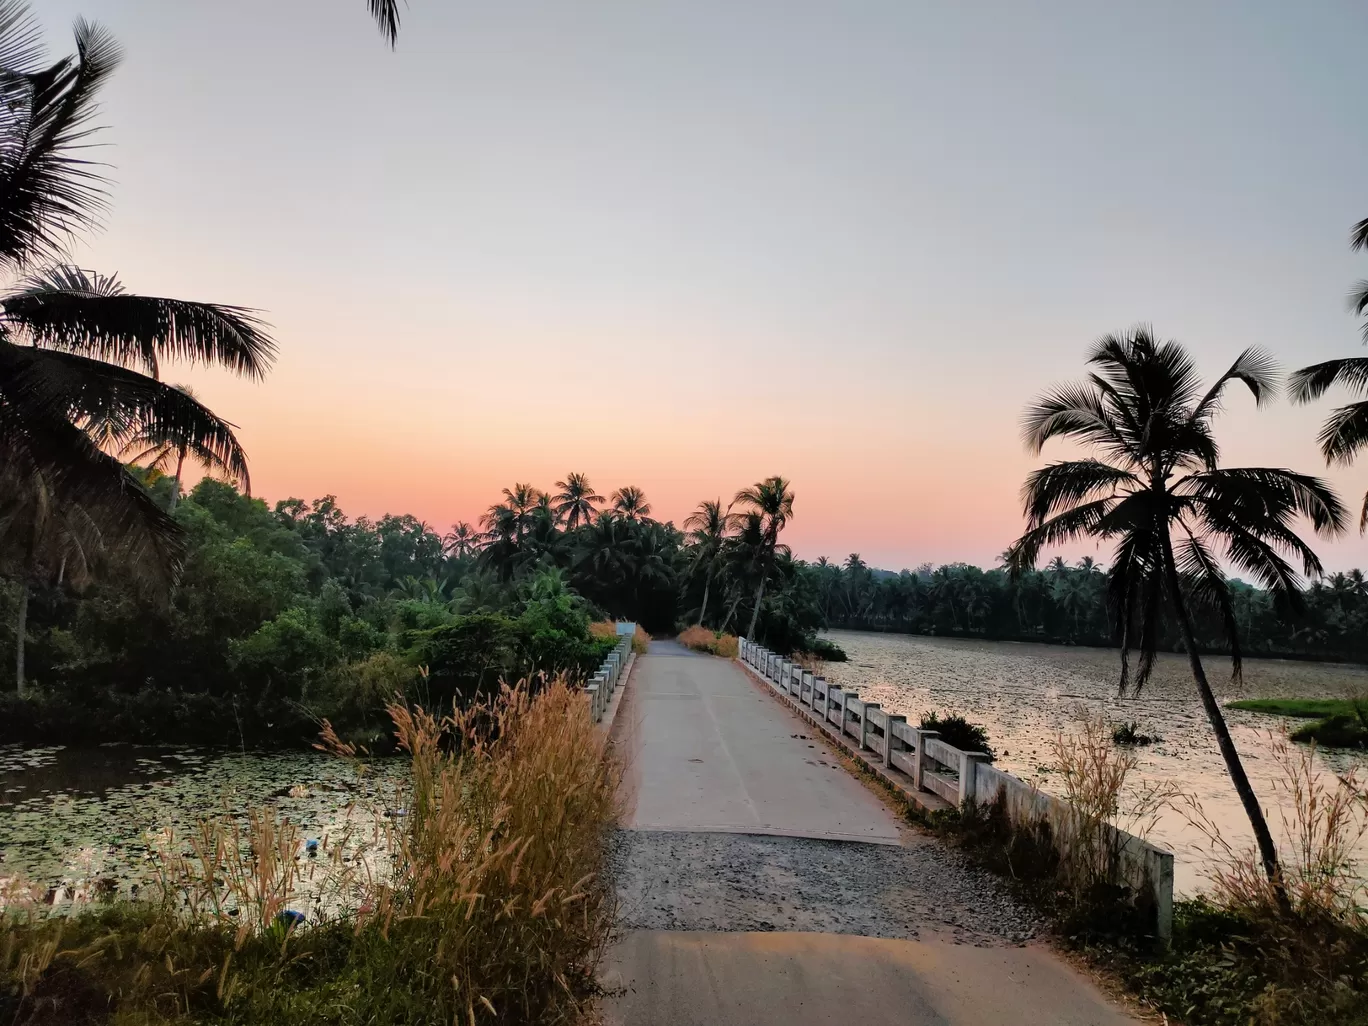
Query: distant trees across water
{"points": [[1067, 603]]}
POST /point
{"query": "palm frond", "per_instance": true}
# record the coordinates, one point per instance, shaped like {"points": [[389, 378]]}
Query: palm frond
{"points": [[386, 15], [77, 311], [1063, 485], [1311, 383], [1071, 525], [1358, 237], [48, 190], [47, 383], [1270, 492], [1256, 368], [1076, 412], [1344, 433]]}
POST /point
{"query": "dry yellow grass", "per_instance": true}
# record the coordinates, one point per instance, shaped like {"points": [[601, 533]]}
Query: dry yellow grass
{"points": [[700, 639]]}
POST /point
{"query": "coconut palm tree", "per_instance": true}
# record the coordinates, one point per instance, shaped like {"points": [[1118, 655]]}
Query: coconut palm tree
{"points": [[771, 500], [521, 500], [151, 446], [707, 527], [631, 504], [1345, 431], [79, 356], [1156, 490], [462, 541], [575, 501]]}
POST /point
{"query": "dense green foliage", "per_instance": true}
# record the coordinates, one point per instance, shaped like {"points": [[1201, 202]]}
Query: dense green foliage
{"points": [[282, 617]]}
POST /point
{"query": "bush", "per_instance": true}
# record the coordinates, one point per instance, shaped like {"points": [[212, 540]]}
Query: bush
{"points": [[827, 651], [701, 639], [1128, 733], [957, 732], [486, 916]]}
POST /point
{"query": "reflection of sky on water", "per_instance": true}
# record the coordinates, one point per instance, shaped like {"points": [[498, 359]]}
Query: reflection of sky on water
{"points": [[1025, 694]]}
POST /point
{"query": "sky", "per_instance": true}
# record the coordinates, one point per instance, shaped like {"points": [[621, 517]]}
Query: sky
{"points": [[686, 245]]}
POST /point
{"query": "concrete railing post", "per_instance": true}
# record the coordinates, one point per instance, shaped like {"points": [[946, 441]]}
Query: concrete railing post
{"points": [[807, 684], [864, 725], [919, 763], [846, 696], [968, 775], [889, 739]]}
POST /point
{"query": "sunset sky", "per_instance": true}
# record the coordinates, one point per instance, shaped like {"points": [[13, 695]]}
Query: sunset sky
{"points": [[687, 245]]}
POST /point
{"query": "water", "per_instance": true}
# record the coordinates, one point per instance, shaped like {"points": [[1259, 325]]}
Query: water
{"points": [[1026, 694], [69, 814]]}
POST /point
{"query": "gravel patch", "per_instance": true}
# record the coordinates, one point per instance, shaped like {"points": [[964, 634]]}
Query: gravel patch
{"points": [[675, 880]]}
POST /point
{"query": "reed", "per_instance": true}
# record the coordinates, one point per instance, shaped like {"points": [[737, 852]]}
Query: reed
{"points": [[477, 896]]}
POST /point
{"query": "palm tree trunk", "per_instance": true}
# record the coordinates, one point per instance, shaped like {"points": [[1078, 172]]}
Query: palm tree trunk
{"points": [[755, 613], [1268, 851], [703, 610], [175, 492], [20, 628]]}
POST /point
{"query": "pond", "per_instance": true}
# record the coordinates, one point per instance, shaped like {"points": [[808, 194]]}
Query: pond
{"points": [[82, 814], [1026, 694]]}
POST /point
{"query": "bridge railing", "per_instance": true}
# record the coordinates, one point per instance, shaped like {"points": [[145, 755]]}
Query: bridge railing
{"points": [[606, 679], [926, 764]]}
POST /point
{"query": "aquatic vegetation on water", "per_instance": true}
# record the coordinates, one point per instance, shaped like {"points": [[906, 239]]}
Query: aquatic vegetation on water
{"points": [[494, 907]]}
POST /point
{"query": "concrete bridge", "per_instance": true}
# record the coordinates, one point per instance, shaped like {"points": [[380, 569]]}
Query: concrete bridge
{"points": [[761, 881]]}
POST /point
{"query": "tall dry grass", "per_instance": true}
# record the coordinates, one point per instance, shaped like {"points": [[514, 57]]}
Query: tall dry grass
{"points": [[701, 639], [481, 899]]}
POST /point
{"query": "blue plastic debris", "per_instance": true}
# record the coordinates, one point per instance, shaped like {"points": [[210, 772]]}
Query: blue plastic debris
{"points": [[290, 918], [311, 846]]}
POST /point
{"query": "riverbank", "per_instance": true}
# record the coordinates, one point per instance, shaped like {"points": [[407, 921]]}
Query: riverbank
{"points": [[462, 905], [1027, 694]]}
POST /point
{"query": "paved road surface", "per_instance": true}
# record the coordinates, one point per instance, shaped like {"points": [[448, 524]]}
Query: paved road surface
{"points": [[710, 756], [713, 753]]}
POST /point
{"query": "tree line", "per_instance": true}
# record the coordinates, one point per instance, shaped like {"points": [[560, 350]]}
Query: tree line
{"points": [[1067, 603]]}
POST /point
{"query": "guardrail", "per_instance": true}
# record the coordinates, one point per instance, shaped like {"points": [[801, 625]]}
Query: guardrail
{"points": [[918, 762], [606, 679]]}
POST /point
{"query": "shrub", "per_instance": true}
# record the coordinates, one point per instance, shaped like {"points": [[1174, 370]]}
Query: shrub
{"points": [[828, 651], [957, 732], [1128, 733], [485, 916], [641, 641], [701, 639]]}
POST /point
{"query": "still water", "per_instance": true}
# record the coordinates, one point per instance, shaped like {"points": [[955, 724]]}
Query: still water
{"points": [[69, 814], [1027, 694]]}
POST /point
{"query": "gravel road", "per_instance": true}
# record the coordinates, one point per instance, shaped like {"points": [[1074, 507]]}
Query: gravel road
{"points": [[676, 880]]}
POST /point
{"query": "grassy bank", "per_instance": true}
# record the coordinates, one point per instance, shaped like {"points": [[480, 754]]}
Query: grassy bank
{"points": [[1238, 956], [1340, 723], [478, 898]]}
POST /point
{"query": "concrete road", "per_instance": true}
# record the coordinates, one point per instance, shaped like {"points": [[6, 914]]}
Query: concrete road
{"points": [[708, 751], [803, 979]]}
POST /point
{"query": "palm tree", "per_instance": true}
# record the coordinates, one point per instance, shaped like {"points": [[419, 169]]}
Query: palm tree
{"points": [[1156, 490], [1345, 431], [80, 357], [707, 527], [772, 500], [630, 502], [522, 500], [156, 449], [575, 501], [462, 541]]}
